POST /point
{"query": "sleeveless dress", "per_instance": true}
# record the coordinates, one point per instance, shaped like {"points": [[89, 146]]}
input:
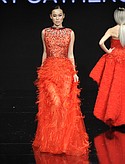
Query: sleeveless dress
{"points": [[109, 73], [60, 127]]}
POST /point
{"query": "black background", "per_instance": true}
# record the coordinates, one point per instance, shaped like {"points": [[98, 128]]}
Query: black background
{"points": [[20, 40], [20, 55]]}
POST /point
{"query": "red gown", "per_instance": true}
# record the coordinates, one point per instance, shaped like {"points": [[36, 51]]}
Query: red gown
{"points": [[60, 126], [109, 73]]}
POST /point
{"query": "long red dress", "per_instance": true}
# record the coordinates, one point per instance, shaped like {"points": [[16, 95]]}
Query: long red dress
{"points": [[60, 126], [109, 73]]}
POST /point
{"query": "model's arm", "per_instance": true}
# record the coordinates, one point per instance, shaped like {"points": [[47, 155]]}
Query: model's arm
{"points": [[70, 51], [71, 54], [102, 42], [44, 47]]}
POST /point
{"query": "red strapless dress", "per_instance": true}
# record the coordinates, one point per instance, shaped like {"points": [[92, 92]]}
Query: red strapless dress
{"points": [[60, 126], [109, 73]]}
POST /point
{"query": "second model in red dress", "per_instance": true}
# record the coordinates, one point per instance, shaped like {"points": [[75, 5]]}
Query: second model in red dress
{"points": [[109, 73], [60, 126]]}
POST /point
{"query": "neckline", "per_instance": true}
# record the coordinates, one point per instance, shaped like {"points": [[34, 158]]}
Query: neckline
{"points": [[60, 28]]}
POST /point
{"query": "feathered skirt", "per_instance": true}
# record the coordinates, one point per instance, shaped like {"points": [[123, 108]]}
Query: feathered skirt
{"points": [[60, 127]]}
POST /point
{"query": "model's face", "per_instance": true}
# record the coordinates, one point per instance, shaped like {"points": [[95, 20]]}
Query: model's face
{"points": [[57, 17]]}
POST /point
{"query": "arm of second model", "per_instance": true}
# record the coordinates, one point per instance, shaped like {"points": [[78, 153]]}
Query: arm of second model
{"points": [[102, 41]]}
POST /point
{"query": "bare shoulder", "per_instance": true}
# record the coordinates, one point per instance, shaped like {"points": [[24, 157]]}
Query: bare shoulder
{"points": [[43, 31], [114, 28], [110, 31], [69, 29], [72, 32], [114, 31]]}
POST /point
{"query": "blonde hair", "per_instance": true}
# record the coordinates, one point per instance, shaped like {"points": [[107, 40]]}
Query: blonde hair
{"points": [[119, 16]]}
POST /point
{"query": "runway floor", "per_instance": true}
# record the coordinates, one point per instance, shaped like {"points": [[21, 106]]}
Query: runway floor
{"points": [[17, 128]]}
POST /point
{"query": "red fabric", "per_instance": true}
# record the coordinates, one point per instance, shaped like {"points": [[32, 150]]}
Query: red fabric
{"points": [[109, 73], [60, 122]]}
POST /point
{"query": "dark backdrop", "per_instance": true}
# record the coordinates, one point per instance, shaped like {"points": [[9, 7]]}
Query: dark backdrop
{"points": [[20, 41], [21, 53]]}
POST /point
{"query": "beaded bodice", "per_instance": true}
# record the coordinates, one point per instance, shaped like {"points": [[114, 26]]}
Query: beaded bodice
{"points": [[57, 41]]}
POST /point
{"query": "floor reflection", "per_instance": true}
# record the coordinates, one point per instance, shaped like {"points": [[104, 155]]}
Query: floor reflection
{"points": [[110, 147], [47, 158]]}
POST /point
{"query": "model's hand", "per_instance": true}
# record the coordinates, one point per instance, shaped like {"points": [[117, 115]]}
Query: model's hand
{"points": [[110, 50], [76, 78]]}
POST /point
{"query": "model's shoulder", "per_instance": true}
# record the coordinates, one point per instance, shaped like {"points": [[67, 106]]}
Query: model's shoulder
{"points": [[68, 29], [113, 28], [46, 29]]}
